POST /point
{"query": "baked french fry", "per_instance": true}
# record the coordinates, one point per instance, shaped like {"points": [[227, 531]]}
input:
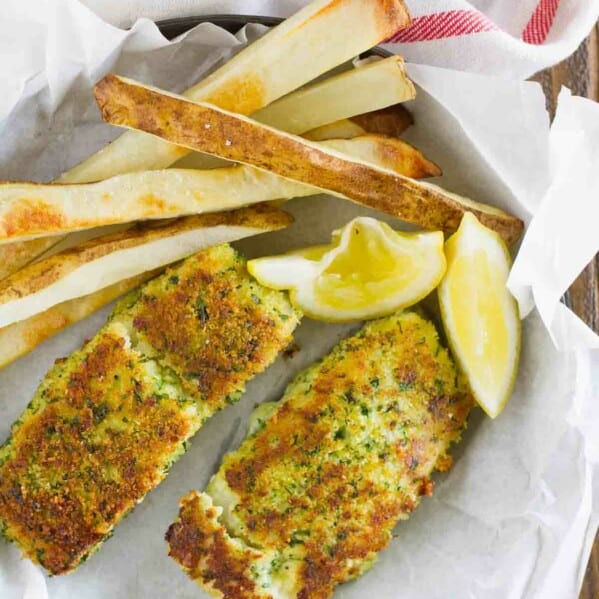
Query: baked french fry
{"points": [[306, 45], [215, 131], [391, 121], [387, 152], [14, 256], [20, 338], [303, 47], [346, 95], [343, 129], [176, 192], [343, 96], [104, 261]]}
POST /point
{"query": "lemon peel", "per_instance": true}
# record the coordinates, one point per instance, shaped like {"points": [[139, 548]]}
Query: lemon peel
{"points": [[479, 314]]}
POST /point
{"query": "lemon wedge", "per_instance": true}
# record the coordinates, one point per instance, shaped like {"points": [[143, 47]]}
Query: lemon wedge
{"points": [[479, 314], [368, 271]]}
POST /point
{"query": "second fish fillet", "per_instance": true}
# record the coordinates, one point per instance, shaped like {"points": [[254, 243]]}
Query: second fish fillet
{"points": [[314, 493]]}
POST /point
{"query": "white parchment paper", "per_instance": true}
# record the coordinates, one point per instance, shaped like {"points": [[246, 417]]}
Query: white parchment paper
{"points": [[517, 515]]}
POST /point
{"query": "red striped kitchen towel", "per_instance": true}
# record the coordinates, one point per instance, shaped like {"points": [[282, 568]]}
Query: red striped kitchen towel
{"points": [[499, 37]]}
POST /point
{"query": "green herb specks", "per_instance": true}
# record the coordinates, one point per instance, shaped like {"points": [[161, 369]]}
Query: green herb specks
{"points": [[201, 311]]}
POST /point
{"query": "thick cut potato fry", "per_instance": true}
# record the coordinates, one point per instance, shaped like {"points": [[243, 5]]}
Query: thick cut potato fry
{"points": [[15, 256], [387, 152], [343, 129], [106, 260], [343, 96], [303, 47], [20, 338], [215, 131], [391, 121], [308, 44], [176, 192], [338, 98]]}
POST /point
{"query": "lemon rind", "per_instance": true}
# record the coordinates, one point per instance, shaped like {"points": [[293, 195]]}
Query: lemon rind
{"points": [[495, 405]]}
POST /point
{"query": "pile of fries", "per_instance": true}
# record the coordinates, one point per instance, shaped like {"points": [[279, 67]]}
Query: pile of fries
{"points": [[196, 170]]}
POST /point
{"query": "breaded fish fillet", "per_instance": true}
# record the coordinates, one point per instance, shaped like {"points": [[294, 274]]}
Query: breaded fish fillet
{"points": [[106, 424], [313, 494]]}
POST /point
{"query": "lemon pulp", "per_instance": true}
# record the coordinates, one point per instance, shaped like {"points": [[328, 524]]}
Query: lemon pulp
{"points": [[479, 314], [368, 271], [485, 338], [370, 268]]}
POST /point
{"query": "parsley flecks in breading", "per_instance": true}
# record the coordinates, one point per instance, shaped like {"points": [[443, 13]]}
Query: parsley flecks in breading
{"points": [[106, 424], [357, 438]]}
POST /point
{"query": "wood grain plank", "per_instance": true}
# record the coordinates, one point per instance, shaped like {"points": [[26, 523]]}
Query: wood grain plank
{"points": [[580, 73], [590, 587]]}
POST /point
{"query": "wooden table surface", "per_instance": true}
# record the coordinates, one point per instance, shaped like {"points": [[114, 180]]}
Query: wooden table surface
{"points": [[581, 74]]}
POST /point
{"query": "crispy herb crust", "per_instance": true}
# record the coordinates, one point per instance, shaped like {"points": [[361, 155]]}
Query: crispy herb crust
{"points": [[211, 324], [106, 424], [314, 492]]}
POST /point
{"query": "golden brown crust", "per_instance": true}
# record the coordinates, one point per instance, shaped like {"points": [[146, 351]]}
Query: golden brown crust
{"points": [[106, 423], [212, 326], [94, 448], [240, 94], [14, 256], [155, 206], [391, 121], [394, 154], [406, 158], [348, 452], [389, 15], [200, 544], [29, 217], [35, 277], [206, 128]]}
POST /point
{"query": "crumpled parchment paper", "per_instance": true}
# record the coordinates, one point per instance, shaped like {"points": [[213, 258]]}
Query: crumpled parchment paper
{"points": [[516, 516]]}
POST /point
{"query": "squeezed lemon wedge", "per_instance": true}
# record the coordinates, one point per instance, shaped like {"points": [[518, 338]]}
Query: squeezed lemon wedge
{"points": [[479, 314], [368, 271]]}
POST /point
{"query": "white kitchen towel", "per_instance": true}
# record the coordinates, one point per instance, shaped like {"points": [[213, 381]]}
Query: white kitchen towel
{"points": [[515, 38]]}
